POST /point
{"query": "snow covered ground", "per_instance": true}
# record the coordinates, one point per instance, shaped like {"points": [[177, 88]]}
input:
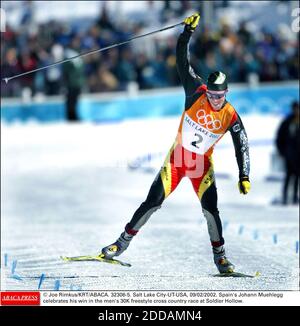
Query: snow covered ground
{"points": [[67, 190]]}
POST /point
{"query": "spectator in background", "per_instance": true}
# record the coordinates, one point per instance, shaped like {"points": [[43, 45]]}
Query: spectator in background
{"points": [[125, 69], [241, 52], [53, 75], [104, 81], [28, 62], [104, 22], [244, 34], [288, 145], [73, 74], [206, 42], [10, 67], [209, 64], [27, 14]]}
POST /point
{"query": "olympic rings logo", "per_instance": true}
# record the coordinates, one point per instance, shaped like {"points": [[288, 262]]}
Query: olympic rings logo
{"points": [[208, 121]]}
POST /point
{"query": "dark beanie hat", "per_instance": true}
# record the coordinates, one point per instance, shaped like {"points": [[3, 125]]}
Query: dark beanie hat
{"points": [[217, 81]]}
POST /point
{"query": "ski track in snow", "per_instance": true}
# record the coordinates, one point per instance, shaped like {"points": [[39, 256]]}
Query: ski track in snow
{"points": [[57, 200]]}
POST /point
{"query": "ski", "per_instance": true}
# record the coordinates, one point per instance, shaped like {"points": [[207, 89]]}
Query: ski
{"points": [[237, 274], [99, 258]]}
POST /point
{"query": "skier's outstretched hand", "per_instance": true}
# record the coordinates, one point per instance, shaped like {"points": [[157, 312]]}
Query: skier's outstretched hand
{"points": [[192, 22], [244, 185]]}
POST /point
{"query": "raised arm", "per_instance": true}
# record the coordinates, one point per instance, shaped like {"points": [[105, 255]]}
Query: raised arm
{"points": [[190, 81]]}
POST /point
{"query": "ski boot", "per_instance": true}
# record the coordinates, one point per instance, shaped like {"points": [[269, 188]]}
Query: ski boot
{"points": [[222, 263], [117, 248]]}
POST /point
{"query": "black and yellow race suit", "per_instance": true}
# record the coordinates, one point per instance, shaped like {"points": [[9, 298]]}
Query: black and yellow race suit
{"points": [[201, 127]]}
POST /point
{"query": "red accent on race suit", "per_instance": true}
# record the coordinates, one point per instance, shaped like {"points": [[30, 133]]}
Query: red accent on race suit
{"points": [[216, 243], [130, 231], [190, 162], [234, 118], [202, 88]]}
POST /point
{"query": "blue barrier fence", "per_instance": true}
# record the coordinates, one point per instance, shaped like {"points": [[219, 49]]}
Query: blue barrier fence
{"points": [[266, 99]]}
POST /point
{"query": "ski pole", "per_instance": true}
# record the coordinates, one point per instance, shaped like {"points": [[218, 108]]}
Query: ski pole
{"points": [[7, 79]]}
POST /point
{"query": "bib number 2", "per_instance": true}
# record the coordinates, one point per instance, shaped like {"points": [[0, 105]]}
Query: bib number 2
{"points": [[198, 141]]}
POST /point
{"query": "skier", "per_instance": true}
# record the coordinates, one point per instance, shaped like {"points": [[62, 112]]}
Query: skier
{"points": [[206, 118]]}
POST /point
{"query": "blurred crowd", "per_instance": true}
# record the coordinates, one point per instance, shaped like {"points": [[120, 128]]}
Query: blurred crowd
{"points": [[146, 63]]}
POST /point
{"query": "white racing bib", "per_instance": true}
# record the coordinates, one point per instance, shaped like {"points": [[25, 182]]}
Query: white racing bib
{"points": [[199, 137]]}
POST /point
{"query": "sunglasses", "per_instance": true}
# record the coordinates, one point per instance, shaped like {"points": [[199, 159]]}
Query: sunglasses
{"points": [[215, 96]]}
